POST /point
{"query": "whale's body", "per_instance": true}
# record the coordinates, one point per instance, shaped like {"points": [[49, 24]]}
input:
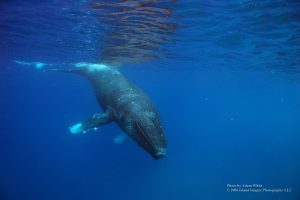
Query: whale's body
{"points": [[127, 105]]}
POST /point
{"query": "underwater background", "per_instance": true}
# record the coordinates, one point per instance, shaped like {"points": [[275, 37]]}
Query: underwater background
{"points": [[224, 76]]}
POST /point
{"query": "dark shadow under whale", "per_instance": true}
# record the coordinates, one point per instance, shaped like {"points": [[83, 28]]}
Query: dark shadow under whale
{"points": [[125, 104]]}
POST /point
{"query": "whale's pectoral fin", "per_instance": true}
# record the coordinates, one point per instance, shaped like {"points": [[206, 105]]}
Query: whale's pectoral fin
{"points": [[120, 138], [91, 123]]}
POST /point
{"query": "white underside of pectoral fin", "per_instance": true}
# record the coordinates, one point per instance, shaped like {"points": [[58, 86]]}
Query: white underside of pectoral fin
{"points": [[76, 129], [119, 139]]}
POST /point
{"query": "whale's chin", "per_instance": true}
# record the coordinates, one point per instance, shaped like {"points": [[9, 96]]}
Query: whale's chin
{"points": [[161, 153]]}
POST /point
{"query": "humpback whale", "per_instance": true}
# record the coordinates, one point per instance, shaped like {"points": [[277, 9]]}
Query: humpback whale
{"points": [[124, 103]]}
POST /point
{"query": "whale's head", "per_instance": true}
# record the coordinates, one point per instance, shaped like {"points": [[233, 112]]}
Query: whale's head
{"points": [[148, 133]]}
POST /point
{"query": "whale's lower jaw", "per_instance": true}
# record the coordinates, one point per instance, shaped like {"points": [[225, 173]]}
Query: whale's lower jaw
{"points": [[161, 153]]}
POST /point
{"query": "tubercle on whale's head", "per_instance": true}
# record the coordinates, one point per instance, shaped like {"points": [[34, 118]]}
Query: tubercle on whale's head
{"points": [[149, 134]]}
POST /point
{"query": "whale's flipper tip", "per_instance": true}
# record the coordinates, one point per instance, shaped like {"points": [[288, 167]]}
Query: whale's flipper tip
{"points": [[120, 138], [37, 65], [91, 123], [77, 128]]}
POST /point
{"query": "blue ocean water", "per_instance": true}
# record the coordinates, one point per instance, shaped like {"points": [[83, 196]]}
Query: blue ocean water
{"points": [[224, 76]]}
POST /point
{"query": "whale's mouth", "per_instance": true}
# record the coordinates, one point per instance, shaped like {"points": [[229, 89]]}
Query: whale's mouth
{"points": [[161, 153], [151, 142]]}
